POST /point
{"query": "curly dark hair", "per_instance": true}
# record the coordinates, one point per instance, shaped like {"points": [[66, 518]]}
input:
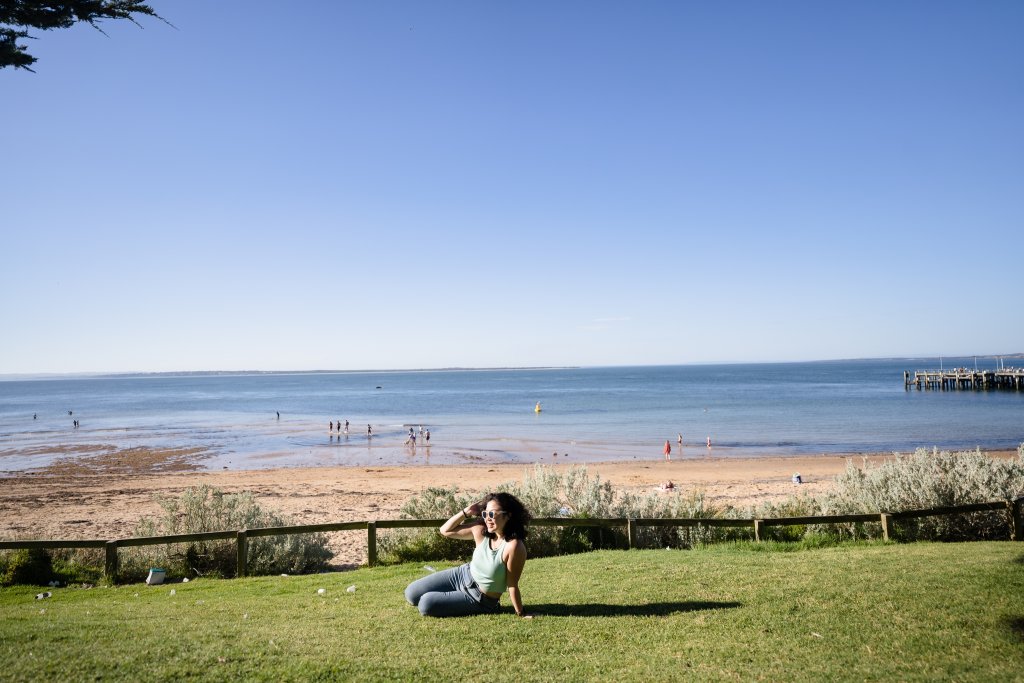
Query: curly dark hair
{"points": [[517, 515]]}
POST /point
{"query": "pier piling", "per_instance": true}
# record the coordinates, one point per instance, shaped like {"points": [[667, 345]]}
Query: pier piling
{"points": [[962, 378]]}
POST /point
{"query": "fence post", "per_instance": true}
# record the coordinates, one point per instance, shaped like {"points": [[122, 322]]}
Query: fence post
{"points": [[886, 520], [1017, 519], [758, 529], [371, 544], [111, 565], [242, 554], [631, 534]]}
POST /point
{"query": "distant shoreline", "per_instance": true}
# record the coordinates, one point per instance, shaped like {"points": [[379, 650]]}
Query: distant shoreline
{"points": [[29, 376], [258, 373]]}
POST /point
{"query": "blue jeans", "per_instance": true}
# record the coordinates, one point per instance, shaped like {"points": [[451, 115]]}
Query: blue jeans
{"points": [[451, 593]]}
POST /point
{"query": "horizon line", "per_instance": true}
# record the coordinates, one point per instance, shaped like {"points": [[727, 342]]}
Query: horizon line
{"points": [[183, 373]]}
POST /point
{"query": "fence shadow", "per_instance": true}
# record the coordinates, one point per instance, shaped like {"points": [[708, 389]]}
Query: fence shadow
{"points": [[650, 609], [1016, 625]]}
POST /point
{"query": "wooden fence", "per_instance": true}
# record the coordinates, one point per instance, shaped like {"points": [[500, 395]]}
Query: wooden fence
{"points": [[1014, 509]]}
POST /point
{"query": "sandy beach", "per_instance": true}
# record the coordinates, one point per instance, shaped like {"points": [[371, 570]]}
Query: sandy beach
{"points": [[106, 496]]}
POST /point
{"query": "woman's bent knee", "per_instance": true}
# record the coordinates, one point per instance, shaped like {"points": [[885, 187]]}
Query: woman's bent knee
{"points": [[429, 605]]}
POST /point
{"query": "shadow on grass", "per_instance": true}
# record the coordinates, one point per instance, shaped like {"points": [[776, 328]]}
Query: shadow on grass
{"points": [[1016, 625], [651, 609], [1019, 559]]}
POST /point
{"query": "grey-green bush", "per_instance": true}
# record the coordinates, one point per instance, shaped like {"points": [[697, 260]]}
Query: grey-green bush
{"points": [[922, 480], [546, 492], [202, 509], [573, 494], [412, 545], [928, 479]]}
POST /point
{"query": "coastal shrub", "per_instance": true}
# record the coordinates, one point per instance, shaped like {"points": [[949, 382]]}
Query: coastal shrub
{"points": [[31, 566], [416, 545], [574, 494], [924, 479], [808, 535], [204, 508], [546, 492], [691, 504], [793, 506], [927, 479]]}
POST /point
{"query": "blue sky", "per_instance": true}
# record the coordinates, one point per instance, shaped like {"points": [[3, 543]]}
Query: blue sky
{"points": [[411, 184]]}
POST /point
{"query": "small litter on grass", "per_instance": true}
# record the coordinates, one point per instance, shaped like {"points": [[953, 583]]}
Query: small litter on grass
{"points": [[351, 589], [321, 591], [42, 611], [285, 575], [245, 616], [817, 635], [135, 595], [42, 596], [173, 592], [156, 576], [185, 580], [429, 568]]}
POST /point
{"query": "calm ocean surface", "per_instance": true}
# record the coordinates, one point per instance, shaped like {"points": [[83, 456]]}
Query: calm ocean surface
{"points": [[591, 413]]}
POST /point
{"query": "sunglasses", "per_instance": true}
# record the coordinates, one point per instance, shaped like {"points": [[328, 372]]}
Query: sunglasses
{"points": [[489, 514]]}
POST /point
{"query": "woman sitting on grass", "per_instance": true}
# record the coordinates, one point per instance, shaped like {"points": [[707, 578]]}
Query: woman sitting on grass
{"points": [[498, 561]]}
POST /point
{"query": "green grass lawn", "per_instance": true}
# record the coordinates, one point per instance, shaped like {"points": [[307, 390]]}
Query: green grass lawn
{"points": [[876, 612]]}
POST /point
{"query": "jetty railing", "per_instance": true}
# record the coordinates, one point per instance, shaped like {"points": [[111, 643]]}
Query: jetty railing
{"points": [[1014, 509], [965, 378]]}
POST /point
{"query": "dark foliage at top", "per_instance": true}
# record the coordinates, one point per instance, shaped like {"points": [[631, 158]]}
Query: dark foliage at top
{"points": [[16, 16]]}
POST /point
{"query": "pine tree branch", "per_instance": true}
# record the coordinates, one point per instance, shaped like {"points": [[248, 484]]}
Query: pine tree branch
{"points": [[17, 15]]}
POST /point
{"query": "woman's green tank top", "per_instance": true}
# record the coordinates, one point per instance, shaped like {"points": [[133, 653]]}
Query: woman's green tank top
{"points": [[487, 567]]}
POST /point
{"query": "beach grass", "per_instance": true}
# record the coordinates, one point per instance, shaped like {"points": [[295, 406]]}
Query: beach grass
{"points": [[725, 612]]}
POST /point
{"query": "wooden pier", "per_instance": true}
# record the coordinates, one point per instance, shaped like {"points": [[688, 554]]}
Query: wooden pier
{"points": [[964, 378]]}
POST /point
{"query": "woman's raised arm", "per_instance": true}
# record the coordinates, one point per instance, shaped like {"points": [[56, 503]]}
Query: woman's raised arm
{"points": [[458, 527]]}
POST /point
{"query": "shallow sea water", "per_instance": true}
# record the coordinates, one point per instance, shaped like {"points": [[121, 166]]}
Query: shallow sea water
{"points": [[592, 414]]}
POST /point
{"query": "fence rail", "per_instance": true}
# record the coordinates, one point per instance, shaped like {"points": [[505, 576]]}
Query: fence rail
{"points": [[1014, 508]]}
